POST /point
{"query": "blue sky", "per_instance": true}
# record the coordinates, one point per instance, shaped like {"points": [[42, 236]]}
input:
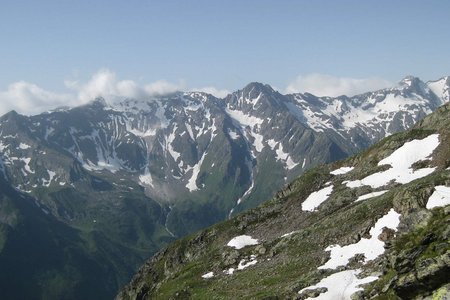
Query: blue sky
{"points": [[220, 44]]}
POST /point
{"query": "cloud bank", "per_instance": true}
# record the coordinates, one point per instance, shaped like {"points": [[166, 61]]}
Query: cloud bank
{"points": [[29, 99], [213, 91], [327, 85]]}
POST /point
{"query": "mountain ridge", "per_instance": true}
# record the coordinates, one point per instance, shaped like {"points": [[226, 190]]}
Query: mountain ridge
{"points": [[135, 175]]}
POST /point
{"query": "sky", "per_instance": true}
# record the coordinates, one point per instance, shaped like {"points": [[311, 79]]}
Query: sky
{"points": [[61, 52]]}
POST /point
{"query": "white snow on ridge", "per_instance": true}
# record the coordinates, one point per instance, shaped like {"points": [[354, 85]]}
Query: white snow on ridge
{"points": [[341, 171], [371, 248], [440, 197], [390, 105], [375, 110], [401, 161], [316, 198], [242, 241], [371, 195], [340, 285]]}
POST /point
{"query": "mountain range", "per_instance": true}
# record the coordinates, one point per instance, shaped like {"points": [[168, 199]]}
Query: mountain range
{"points": [[127, 177], [372, 226]]}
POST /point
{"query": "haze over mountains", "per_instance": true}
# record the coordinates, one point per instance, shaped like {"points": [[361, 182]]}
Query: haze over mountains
{"points": [[128, 177]]}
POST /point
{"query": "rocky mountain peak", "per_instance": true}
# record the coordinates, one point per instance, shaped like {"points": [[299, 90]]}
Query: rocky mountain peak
{"points": [[99, 102], [409, 81], [9, 115]]}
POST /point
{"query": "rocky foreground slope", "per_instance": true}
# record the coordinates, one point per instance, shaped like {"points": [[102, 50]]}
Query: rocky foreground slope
{"points": [[374, 225]]}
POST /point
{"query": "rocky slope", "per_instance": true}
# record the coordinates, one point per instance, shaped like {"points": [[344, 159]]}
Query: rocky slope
{"points": [[137, 174], [374, 225]]}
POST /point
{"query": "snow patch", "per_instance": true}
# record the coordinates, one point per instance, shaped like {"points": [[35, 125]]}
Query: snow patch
{"points": [[340, 285], [51, 175], [439, 198], [27, 164], [243, 264], [288, 234], [230, 271], [192, 185], [371, 195], [242, 241], [254, 123], [233, 135], [401, 161], [169, 147], [146, 178], [316, 198], [341, 171], [371, 248], [208, 275], [24, 146]]}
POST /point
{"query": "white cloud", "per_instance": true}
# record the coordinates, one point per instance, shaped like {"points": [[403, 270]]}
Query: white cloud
{"points": [[327, 85], [27, 98], [219, 93], [162, 87], [105, 84]]}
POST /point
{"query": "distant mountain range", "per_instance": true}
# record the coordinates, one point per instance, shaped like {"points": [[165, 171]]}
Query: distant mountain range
{"points": [[373, 226], [136, 174]]}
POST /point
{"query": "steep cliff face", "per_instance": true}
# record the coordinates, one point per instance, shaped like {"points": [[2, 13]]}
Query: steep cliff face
{"points": [[373, 225]]}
